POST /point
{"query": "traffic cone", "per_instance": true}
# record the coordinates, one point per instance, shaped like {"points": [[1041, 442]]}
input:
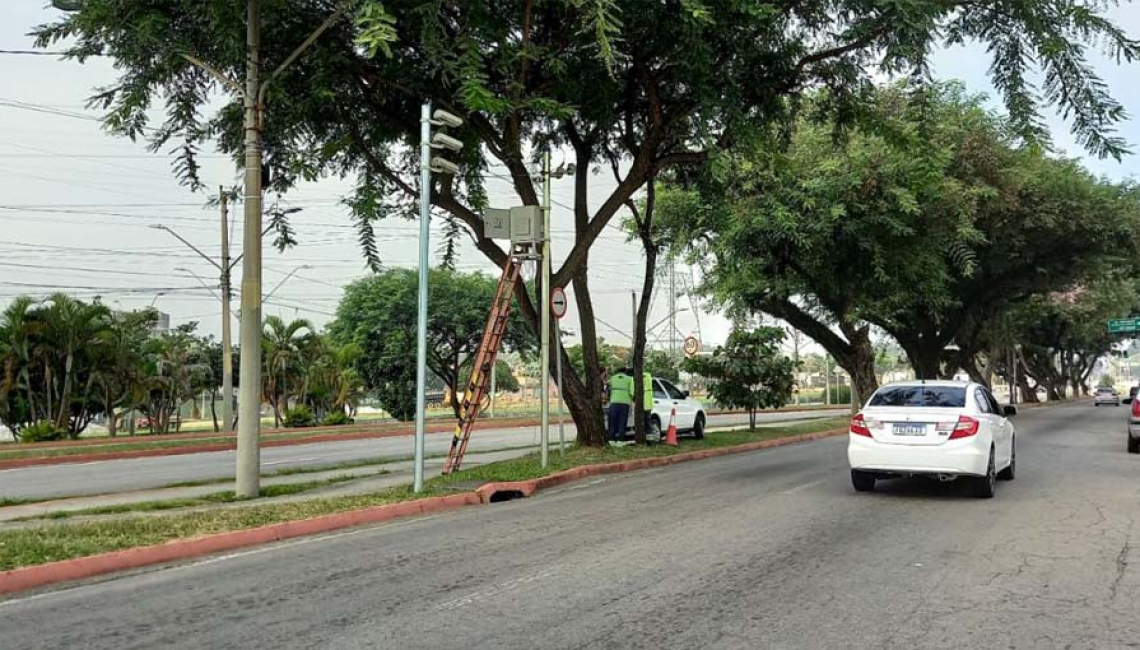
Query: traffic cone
{"points": [[671, 434]]}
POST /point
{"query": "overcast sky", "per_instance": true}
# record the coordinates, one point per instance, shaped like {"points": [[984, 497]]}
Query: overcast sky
{"points": [[76, 204]]}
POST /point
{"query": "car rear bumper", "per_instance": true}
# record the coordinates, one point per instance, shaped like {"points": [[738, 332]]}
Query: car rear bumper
{"points": [[958, 457], [1106, 400], [1134, 428]]}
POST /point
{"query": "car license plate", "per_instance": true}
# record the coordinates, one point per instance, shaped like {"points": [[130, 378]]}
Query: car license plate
{"points": [[910, 430]]}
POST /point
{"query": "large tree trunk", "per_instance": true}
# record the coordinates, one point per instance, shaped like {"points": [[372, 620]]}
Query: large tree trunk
{"points": [[214, 409], [859, 363], [1026, 393], [645, 232]]}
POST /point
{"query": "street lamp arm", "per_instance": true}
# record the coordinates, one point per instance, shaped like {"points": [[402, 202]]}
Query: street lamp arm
{"points": [[341, 10], [242, 254], [192, 246], [214, 72], [201, 281]]}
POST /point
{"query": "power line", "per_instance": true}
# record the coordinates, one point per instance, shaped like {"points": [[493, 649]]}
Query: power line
{"points": [[38, 53]]}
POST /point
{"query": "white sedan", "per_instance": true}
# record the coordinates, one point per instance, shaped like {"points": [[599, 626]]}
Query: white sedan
{"points": [[942, 429]]}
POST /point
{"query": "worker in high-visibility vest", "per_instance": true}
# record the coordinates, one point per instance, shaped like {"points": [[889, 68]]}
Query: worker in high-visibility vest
{"points": [[647, 400], [621, 398]]}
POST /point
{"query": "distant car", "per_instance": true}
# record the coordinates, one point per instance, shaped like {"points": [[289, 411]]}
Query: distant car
{"points": [[943, 429], [1106, 395], [1132, 392], [691, 416], [1134, 428]]}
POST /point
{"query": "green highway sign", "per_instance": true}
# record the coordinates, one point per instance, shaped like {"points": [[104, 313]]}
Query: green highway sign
{"points": [[1122, 325]]}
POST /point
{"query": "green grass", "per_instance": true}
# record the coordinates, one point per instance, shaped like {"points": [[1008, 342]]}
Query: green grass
{"points": [[40, 544]]}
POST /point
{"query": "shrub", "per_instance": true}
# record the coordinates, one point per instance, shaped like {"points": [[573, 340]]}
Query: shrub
{"points": [[299, 416], [41, 431], [336, 418]]}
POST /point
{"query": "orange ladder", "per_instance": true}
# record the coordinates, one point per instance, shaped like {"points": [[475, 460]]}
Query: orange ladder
{"points": [[481, 371]]}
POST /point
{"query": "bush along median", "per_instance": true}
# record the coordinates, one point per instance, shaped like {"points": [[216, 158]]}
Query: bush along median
{"points": [[53, 545]]}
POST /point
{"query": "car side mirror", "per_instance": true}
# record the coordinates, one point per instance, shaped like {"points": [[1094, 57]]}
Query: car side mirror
{"points": [[1125, 400], [1009, 410], [684, 394]]}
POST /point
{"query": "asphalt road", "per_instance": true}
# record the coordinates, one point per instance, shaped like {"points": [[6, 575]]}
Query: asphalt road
{"points": [[101, 477], [764, 550]]}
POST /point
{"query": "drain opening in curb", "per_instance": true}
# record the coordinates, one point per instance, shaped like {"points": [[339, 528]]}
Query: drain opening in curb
{"points": [[506, 495]]}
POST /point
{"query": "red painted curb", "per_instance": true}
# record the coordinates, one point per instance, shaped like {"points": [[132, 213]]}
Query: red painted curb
{"points": [[182, 549]]}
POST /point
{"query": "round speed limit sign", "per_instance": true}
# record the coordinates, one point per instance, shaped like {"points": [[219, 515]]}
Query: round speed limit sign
{"points": [[692, 346], [558, 302]]}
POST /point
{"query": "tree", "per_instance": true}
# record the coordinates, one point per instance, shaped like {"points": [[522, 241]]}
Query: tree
{"points": [[824, 232], [748, 371], [118, 370], [176, 370], [652, 85], [284, 353], [379, 315]]}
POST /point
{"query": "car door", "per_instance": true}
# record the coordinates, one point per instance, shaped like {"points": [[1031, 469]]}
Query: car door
{"points": [[686, 412], [1005, 447], [662, 404]]}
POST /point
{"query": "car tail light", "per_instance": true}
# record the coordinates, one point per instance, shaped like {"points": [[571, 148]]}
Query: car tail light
{"points": [[1136, 408], [859, 426], [966, 427]]}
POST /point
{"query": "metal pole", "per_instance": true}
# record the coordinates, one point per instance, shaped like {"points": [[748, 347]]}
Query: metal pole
{"points": [[545, 428], [494, 375], [249, 405], [1013, 374], [826, 380], [558, 365], [227, 335], [421, 318]]}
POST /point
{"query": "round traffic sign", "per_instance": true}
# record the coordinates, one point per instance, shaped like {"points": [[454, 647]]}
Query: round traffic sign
{"points": [[692, 346], [558, 302]]}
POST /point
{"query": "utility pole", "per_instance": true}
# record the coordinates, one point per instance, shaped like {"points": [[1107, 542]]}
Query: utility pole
{"points": [[227, 335], [421, 318], [428, 164], [248, 469], [672, 310], [545, 428], [558, 364]]}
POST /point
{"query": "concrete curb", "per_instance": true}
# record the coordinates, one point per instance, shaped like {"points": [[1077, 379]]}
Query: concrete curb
{"points": [[182, 549]]}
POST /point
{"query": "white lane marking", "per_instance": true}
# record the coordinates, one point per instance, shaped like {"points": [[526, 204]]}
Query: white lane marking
{"points": [[290, 460], [494, 590], [805, 486]]}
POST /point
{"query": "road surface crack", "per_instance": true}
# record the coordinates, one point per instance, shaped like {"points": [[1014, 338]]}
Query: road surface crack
{"points": [[1121, 566]]}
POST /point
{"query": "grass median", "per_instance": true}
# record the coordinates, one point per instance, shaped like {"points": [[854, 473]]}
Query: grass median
{"points": [[60, 541]]}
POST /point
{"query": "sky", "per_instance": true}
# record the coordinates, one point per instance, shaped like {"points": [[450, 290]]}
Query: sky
{"points": [[77, 205]]}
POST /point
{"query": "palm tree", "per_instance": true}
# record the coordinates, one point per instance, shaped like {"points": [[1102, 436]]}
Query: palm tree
{"points": [[118, 369], [19, 324], [72, 327], [282, 346]]}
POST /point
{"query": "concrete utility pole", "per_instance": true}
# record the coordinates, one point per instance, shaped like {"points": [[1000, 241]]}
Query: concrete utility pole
{"points": [[227, 335], [545, 428], [248, 470]]}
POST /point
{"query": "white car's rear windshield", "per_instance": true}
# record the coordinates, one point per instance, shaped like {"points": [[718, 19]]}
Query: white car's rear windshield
{"points": [[937, 396]]}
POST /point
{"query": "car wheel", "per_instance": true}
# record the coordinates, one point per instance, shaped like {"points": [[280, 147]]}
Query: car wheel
{"points": [[985, 486], [699, 427], [654, 432], [862, 481], [1010, 472], [1133, 445]]}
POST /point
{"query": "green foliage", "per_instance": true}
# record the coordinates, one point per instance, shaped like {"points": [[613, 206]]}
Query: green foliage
{"points": [[336, 418], [378, 315], [377, 29], [660, 363], [299, 416], [42, 431], [748, 371]]}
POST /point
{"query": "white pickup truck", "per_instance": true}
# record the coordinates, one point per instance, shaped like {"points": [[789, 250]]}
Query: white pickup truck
{"points": [[690, 417]]}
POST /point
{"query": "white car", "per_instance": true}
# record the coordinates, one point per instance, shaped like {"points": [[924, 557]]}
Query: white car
{"points": [[690, 412], [942, 429], [1106, 395]]}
